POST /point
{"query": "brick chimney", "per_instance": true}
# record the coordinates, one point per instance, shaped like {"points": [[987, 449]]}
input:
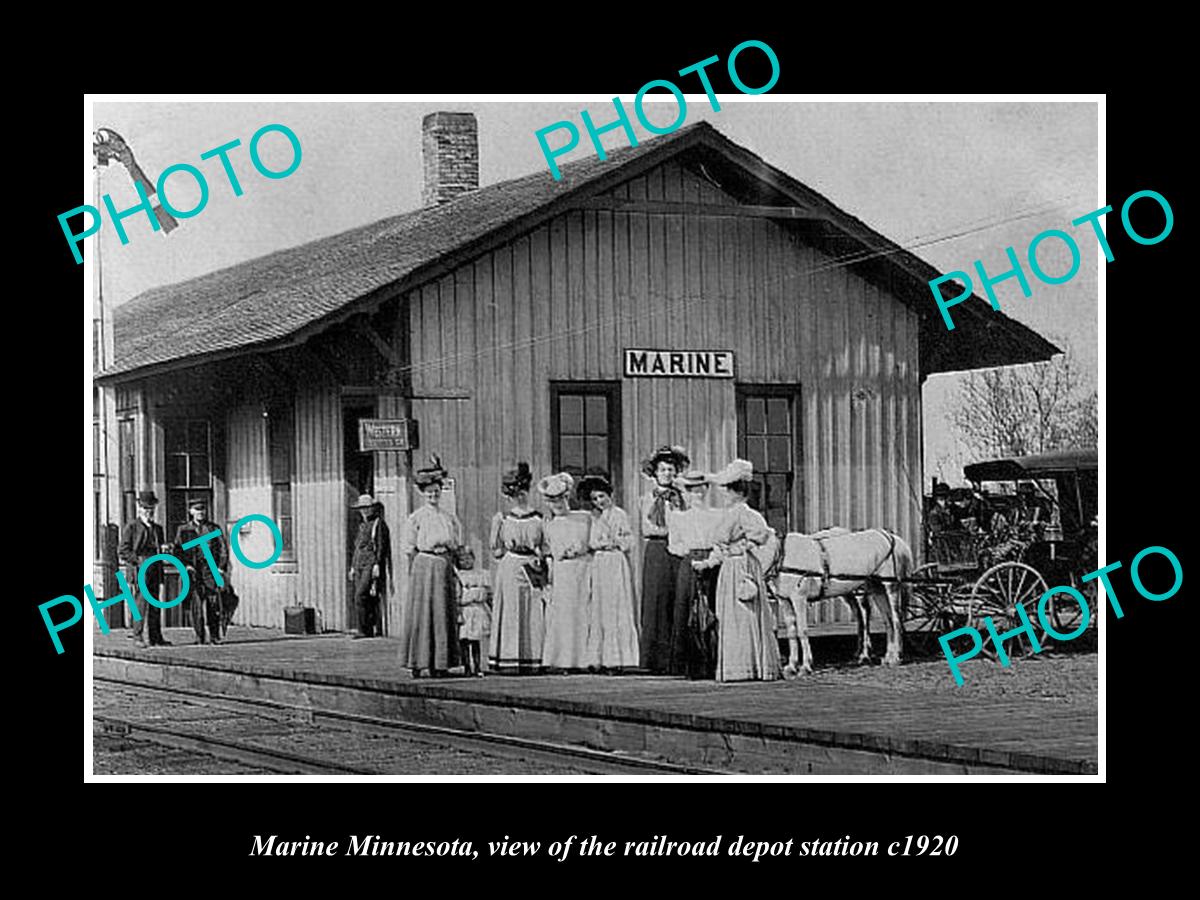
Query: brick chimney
{"points": [[450, 151]]}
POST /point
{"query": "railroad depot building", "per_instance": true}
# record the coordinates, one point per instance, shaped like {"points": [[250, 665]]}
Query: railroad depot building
{"points": [[682, 291]]}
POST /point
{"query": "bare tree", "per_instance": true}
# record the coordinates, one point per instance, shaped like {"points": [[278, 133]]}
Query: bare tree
{"points": [[1019, 410]]}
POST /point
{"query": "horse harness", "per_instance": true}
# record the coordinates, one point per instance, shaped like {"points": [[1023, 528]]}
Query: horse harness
{"points": [[826, 576]]}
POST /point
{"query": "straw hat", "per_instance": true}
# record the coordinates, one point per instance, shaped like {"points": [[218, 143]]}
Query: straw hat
{"points": [[553, 487], [738, 470], [691, 479]]}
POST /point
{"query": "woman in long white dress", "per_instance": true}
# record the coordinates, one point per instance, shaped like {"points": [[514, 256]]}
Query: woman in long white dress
{"points": [[745, 547], [613, 620], [568, 597]]}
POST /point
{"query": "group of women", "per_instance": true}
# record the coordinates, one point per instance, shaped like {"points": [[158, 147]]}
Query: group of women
{"points": [[563, 592]]}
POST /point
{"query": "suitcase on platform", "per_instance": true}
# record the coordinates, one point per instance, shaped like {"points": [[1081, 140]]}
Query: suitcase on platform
{"points": [[299, 620]]}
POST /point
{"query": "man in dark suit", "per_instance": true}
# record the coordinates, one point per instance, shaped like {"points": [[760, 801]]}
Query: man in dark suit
{"points": [[370, 565], [205, 599], [941, 515], [144, 538]]}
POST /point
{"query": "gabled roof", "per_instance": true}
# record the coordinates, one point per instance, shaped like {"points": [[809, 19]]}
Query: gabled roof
{"points": [[283, 298]]}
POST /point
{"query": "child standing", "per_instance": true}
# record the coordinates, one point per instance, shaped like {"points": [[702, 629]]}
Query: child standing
{"points": [[474, 612]]}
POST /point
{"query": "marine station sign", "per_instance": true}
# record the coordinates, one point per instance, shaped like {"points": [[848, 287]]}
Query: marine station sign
{"points": [[678, 363]]}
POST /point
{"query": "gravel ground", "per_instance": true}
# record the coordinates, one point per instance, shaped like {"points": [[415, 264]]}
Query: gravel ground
{"points": [[115, 755], [1065, 678], [385, 753]]}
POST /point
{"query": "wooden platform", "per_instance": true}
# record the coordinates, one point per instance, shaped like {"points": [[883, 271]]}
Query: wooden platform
{"points": [[1038, 716]]}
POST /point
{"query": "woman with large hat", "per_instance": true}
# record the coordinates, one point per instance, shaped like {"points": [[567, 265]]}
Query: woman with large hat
{"points": [[568, 596], [613, 631], [745, 547], [518, 541], [659, 567], [430, 538]]}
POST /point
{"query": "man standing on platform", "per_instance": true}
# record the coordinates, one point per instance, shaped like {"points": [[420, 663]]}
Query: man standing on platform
{"points": [[205, 599], [144, 538], [371, 565]]}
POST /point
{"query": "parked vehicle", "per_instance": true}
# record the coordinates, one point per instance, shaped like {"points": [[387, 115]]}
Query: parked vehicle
{"points": [[1026, 524]]}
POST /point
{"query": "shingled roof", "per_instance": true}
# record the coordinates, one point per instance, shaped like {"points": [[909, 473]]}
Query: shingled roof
{"points": [[284, 297]]}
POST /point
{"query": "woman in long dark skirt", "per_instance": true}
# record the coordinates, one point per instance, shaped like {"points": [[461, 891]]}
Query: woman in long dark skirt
{"points": [[659, 567], [691, 537], [431, 535]]}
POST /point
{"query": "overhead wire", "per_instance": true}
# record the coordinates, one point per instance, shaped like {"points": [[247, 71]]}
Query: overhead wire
{"points": [[680, 304]]}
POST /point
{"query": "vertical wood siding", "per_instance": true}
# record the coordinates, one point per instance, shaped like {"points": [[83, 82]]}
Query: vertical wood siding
{"points": [[319, 502], [263, 593], [562, 303]]}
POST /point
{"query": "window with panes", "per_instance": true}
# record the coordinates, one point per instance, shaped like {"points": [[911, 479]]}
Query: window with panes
{"points": [[768, 438], [189, 468], [281, 440], [585, 423]]}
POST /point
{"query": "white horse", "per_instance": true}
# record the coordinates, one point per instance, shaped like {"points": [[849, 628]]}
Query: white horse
{"points": [[838, 562]]}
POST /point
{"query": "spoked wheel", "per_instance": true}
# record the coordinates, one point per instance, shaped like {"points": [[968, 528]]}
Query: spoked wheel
{"points": [[996, 595], [923, 608], [936, 607], [933, 608]]}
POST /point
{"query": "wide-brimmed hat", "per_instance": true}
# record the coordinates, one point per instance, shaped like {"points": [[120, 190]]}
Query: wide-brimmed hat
{"points": [[593, 481], [554, 487], [676, 456], [738, 470], [514, 481], [691, 479], [434, 473], [365, 501], [941, 489], [147, 498]]}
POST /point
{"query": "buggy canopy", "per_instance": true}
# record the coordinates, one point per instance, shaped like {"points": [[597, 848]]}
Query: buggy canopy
{"points": [[1040, 466]]}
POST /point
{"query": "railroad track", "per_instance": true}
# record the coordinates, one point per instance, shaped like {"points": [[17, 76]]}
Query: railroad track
{"points": [[179, 737], [233, 751]]}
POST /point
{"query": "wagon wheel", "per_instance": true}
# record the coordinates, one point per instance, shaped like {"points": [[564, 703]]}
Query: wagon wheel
{"points": [[921, 601], [933, 607], [996, 594]]}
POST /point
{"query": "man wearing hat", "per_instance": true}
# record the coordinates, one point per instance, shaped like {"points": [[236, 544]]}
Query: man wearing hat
{"points": [[205, 598], [371, 565], [941, 516], [144, 538]]}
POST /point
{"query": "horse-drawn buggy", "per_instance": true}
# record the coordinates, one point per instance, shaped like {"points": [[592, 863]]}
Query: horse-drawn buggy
{"points": [[1024, 525]]}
